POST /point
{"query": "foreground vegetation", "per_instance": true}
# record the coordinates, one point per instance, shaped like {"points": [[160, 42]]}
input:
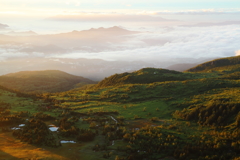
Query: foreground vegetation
{"points": [[147, 114]]}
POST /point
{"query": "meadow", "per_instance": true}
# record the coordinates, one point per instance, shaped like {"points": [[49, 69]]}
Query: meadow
{"points": [[148, 114]]}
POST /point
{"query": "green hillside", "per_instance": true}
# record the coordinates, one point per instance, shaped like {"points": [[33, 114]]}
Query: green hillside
{"points": [[148, 114], [145, 76], [42, 81], [188, 106], [217, 65]]}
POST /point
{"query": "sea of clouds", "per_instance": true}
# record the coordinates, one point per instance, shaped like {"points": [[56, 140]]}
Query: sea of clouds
{"points": [[156, 43], [176, 42]]}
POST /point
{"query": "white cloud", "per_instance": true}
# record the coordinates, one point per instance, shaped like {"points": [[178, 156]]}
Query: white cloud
{"points": [[103, 17], [237, 53], [13, 51], [3, 26], [208, 24], [200, 11], [183, 43], [160, 45]]}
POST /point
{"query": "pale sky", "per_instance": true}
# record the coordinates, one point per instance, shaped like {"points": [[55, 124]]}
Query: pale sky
{"points": [[59, 6], [32, 14]]}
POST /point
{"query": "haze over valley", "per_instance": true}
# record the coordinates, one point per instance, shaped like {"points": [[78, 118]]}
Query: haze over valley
{"points": [[118, 42]]}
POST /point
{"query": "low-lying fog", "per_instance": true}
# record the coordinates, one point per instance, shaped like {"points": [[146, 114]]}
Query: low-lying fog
{"points": [[98, 52]]}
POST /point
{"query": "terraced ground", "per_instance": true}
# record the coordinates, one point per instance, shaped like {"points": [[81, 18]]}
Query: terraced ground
{"points": [[148, 114]]}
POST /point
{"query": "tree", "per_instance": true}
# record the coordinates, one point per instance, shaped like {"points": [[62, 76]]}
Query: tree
{"points": [[238, 120], [117, 158]]}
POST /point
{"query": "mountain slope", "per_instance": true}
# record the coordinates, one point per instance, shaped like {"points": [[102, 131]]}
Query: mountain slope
{"points": [[200, 111], [143, 76], [42, 81], [188, 91], [218, 64], [148, 114]]}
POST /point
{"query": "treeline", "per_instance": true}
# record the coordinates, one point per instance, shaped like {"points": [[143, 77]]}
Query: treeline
{"points": [[238, 120], [160, 142], [42, 116], [36, 132], [5, 108], [6, 118], [218, 63], [144, 76], [67, 129], [234, 75], [19, 93], [155, 143], [217, 112]]}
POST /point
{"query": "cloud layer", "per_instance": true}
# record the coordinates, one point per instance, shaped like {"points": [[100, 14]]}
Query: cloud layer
{"points": [[161, 45], [3, 26], [177, 43], [208, 24], [115, 50], [108, 17], [237, 53]]}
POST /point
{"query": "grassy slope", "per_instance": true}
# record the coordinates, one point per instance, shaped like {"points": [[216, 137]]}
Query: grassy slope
{"points": [[144, 76], [42, 81], [138, 100], [217, 65], [138, 103], [18, 103], [131, 99], [12, 148]]}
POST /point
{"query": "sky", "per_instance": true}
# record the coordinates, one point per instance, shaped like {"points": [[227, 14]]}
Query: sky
{"points": [[44, 16], [169, 32], [149, 5], [28, 14]]}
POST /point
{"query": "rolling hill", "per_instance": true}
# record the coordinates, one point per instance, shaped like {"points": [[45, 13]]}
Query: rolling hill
{"points": [[196, 108], [42, 81], [229, 63], [144, 76], [147, 114]]}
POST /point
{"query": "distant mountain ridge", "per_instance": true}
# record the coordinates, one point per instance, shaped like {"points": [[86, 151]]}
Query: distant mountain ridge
{"points": [[92, 40], [100, 31], [111, 29]]}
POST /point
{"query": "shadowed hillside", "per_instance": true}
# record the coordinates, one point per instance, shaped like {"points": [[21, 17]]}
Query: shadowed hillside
{"points": [[191, 112], [147, 114], [42, 81], [218, 64], [144, 76]]}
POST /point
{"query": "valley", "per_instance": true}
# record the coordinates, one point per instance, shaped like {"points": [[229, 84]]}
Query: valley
{"points": [[146, 114]]}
